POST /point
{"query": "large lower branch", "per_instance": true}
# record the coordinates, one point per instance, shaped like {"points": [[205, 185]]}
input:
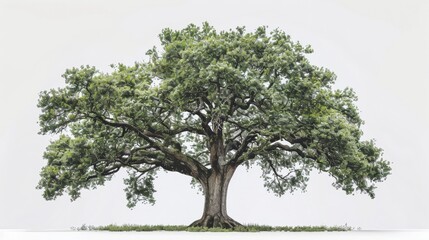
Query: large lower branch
{"points": [[251, 153], [286, 148], [195, 167]]}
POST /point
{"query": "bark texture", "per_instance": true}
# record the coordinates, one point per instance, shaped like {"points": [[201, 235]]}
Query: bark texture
{"points": [[215, 191]]}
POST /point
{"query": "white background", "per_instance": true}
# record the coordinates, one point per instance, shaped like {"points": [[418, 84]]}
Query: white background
{"points": [[379, 48], [361, 235]]}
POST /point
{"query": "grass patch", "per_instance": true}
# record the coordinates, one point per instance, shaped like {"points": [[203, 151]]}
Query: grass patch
{"points": [[244, 228]]}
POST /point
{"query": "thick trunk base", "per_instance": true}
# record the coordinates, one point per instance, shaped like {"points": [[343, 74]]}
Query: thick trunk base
{"points": [[215, 190], [216, 221]]}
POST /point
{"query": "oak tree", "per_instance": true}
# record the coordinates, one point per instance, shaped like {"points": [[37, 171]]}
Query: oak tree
{"points": [[203, 105]]}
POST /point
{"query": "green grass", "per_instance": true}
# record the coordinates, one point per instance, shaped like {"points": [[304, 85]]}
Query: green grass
{"points": [[245, 228]]}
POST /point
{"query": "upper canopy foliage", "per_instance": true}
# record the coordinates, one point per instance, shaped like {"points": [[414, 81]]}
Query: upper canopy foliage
{"points": [[255, 94]]}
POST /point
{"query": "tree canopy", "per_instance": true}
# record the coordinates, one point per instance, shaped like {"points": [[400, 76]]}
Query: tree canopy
{"points": [[207, 101]]}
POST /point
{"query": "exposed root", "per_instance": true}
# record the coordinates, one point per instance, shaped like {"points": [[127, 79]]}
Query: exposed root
{"points": [[218, 221]]}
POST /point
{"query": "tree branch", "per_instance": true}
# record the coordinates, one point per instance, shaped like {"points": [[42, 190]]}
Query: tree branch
{"points": [[195, 167], [106, 172], [242, 149], [271, 164], [286, 148]]}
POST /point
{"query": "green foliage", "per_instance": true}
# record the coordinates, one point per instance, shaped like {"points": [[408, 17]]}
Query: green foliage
{"points": [[254, 95], [139, 189], [245, 228]]}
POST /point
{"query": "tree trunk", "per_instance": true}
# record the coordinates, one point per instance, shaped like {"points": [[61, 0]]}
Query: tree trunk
{"points": [[215, 192]]}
